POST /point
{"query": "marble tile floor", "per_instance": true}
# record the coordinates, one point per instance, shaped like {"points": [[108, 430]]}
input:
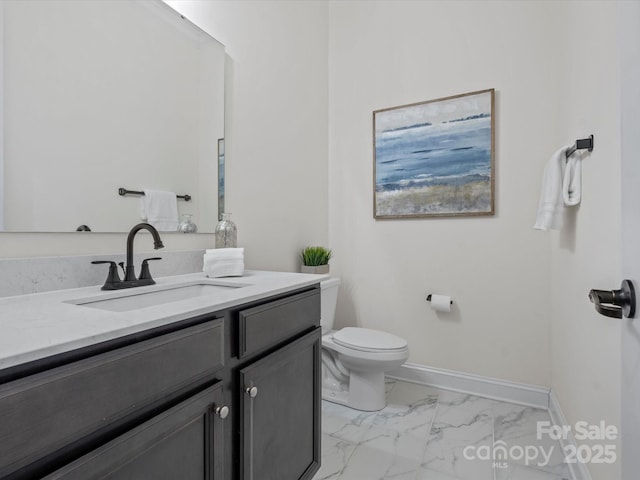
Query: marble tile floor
{"points": [[429, 434]]}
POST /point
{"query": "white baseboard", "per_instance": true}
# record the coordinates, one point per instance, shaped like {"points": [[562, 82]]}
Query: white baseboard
{"points": [[496, 389], [579, 471], [487, 387]]}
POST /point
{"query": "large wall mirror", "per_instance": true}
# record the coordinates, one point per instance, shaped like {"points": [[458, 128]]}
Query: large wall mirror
{"points": [[99, 95]]}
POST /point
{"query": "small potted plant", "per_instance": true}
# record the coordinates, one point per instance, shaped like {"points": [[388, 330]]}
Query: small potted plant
{"points": [[315, 260]]}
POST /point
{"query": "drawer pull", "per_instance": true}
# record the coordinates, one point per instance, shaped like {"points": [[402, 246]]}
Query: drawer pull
{"points": [[222, 412], [252, 391]]}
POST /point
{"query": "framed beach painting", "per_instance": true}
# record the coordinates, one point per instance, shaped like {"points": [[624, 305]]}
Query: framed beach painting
{"points": [[435, 158]]}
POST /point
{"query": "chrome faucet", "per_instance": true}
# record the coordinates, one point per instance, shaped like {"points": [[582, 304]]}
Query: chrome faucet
{"points": [[113, 279]]}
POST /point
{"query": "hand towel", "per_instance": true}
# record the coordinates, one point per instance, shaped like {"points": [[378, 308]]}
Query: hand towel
{"points": [[160, 209], [572, 180], [224, 262], [550, 207], [225, 252]]}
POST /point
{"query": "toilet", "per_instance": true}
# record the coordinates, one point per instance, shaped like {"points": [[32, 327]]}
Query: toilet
{"points": [[354, 360]]}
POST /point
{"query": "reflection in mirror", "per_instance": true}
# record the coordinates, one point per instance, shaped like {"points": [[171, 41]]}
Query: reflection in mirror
{"points": [[101, 95], [221, 183]]}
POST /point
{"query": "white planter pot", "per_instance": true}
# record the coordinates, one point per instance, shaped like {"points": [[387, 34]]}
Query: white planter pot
{"points": [[318, 270]]}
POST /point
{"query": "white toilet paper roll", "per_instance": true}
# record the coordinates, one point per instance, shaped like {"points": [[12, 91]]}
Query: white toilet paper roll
{"points": [[441, 303]]}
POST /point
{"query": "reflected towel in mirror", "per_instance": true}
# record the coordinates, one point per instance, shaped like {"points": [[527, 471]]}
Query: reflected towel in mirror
{"points": [[160, 209]]}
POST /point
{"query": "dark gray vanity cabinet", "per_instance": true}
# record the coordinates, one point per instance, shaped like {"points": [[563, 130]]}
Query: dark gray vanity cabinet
{"points": [[278, 389], [280, 408], [230, 395]]}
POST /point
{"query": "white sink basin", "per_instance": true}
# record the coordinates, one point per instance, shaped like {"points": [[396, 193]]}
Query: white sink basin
{"points": [[134, 299]]}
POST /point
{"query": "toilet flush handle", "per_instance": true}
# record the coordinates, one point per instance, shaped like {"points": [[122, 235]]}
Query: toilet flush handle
{"points": [[252, 391]]}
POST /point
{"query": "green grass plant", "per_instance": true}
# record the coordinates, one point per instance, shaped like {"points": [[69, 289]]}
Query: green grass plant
{"points": [[314, 256]]}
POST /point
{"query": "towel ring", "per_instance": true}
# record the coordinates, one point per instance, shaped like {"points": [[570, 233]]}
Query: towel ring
{"points": [[581, 144]]}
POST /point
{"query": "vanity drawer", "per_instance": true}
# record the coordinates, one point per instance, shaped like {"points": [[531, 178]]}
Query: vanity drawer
{"points": [[266, 325], [42, 413]]}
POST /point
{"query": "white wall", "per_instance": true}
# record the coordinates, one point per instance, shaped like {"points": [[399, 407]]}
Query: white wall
{"points": [[497, 268], [277, 123], [629, 48], [585, 367], [521, 296]]}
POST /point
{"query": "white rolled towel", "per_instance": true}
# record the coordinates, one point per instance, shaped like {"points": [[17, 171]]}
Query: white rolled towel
{"points": [[224, 262], [550, 207], [230, 253]]}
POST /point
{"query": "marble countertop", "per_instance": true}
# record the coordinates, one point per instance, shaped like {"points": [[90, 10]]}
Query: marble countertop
{"points": [[44, 324]]}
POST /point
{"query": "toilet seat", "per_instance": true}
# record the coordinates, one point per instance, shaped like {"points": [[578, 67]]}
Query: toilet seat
{"points": [[367, 340]]}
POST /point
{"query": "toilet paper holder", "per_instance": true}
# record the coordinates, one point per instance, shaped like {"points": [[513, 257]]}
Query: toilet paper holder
{"points": [[429, 299]]}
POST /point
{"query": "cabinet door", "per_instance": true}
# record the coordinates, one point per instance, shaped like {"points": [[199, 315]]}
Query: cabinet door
{"points": [[280, 421], [184, 442], [44, 412]]}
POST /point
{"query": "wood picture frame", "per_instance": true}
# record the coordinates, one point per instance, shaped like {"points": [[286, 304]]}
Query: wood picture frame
{"points": [[435, 158]]}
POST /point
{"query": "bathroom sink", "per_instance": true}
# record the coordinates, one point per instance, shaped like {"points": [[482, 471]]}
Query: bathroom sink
{"points": [[134, 300]]}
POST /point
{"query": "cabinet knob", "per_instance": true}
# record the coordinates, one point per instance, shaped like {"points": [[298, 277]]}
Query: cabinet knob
{"points": [[252, 391], [222, 412]]}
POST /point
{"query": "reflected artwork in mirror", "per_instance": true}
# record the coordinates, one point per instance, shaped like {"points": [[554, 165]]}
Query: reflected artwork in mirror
{"points": [[99, 95]]}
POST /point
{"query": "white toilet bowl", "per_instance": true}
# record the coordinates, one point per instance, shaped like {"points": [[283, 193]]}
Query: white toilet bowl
{"points": [[361, 357], [354, 360]]}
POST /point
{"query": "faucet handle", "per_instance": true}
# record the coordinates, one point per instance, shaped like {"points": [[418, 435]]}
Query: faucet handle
{"points": [[112, 276], [145, 274]]}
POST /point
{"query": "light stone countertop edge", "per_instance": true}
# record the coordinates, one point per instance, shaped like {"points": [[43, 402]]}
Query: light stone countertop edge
{"points": [[36, 326]]}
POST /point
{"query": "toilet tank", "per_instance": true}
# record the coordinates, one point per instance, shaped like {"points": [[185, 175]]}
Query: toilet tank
{"points": [[328, 300]]}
